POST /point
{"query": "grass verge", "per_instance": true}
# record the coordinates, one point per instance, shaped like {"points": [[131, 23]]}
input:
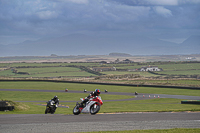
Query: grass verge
{"points": [[150, 105], [91, 87], [174, 130]]}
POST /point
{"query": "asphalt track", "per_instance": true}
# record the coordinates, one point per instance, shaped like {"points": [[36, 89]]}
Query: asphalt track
{"points": [[57, 123], [41, 123]]}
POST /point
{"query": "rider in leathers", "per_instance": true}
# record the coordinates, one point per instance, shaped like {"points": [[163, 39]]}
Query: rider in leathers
{"points": [[56, 100], [92, 94]]}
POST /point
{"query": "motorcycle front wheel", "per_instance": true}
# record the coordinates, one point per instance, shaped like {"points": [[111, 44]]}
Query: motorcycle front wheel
{"points": [[94, 109], [53, 109], [46, 110], [76, 110]]}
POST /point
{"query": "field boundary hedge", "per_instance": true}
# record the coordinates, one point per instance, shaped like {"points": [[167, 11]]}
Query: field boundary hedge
{"points": [[117, 84]]}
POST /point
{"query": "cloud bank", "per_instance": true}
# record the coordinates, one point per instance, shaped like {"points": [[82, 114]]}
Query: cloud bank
{"points": [[22, 20]]}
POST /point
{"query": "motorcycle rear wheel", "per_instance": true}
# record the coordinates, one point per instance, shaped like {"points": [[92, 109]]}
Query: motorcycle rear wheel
{"points": [[94, 110], [76, 110]]}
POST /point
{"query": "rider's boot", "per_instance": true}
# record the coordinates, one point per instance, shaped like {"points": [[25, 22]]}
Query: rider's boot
{"points": [[81, 104]]}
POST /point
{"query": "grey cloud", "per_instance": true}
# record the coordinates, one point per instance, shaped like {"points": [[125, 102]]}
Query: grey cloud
{"points": [[157, 2], [162, 11], [39, 18]]}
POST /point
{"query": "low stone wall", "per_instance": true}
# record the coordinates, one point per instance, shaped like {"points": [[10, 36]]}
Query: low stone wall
{"points": [[190, 102]]}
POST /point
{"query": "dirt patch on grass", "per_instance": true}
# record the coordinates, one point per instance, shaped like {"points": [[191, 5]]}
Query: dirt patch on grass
{"points": [[18, 106]]}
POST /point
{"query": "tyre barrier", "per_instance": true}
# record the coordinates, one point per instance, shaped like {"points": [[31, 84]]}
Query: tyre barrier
{"points": [[190, 102], [4, 106], [10, 108]]}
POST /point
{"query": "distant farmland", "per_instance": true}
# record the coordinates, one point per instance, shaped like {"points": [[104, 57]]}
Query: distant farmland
{"points": [[174, 73]]}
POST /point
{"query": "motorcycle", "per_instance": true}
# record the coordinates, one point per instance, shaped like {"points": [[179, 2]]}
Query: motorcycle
{"points": [[50, 107], [92, 106]]}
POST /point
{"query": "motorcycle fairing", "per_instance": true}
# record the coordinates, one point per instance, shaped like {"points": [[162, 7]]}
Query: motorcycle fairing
{"points": [[50, 103], [86, 109]]}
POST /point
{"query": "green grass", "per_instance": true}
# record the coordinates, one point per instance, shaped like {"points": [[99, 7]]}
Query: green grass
{"points": [[166, 67], [45, 96], [169, 69], [182, 82], [37, 64], [174, 130], [51, 64], [47, 72], [62, 71], [145, 74], [48, 69], [185, 66], [91, 87], [151, 105], [58, 74], [4, 64], [7, 73], [183, 72]]}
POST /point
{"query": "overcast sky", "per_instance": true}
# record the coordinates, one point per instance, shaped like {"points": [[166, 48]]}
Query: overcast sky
{"points": [[172, 20]]}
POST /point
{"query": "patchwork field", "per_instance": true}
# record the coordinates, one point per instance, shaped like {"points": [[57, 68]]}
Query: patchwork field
{"points": [[174, 73]]}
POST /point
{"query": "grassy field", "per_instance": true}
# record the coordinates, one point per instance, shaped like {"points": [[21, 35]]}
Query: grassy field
{"points": [[145, 74], [175, 82], [152, 105], [8, 73], [91, 87], [180, 72], [170, 66], [61, 70], [51, 69], [172, 70]]}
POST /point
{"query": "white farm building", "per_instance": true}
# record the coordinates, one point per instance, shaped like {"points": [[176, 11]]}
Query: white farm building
{"points": [[150, 68]]}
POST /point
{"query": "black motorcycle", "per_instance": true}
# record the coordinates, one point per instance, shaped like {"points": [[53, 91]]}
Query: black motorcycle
{"points": [[51, 107]]}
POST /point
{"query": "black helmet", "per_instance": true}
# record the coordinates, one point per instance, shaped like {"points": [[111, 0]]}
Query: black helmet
{"points": [[98, 91], [55, 97]]}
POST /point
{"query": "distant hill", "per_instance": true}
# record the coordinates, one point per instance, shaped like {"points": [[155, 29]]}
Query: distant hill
{"points": [[80, 44], [120, 54]]}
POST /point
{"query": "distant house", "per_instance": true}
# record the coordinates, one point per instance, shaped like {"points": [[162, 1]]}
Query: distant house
{"points": [[150, 68], [101, 69], [190, 58]]}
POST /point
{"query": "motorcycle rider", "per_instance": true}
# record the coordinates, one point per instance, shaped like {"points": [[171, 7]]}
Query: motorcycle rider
{"points": [[56, 100], [92, 94]]}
